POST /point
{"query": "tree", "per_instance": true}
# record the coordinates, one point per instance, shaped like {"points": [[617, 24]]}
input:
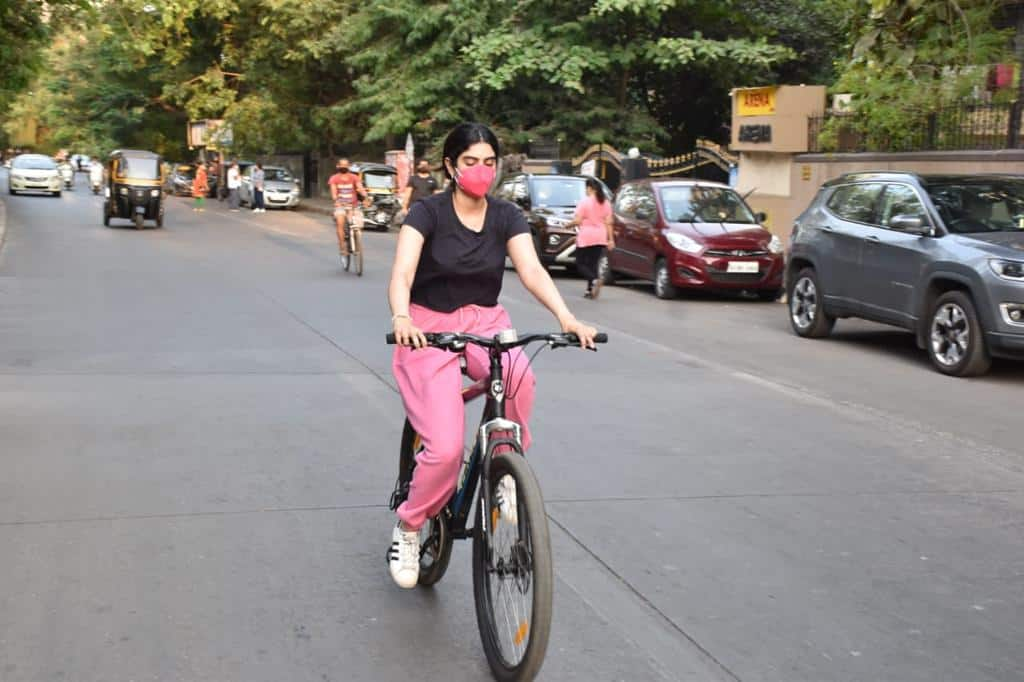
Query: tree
{"points": [[909, 58]]}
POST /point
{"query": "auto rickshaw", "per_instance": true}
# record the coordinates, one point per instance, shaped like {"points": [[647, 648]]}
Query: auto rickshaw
{"points": [[134, 187], [380, 181]]}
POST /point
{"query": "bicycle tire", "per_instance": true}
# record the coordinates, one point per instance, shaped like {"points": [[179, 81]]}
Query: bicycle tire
{"points": [[436, 546], [348, 238], [357, 241], [537, 555]]}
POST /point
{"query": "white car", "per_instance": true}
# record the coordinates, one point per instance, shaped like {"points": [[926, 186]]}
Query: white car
{"points": [[33, 173], [280, 188]]}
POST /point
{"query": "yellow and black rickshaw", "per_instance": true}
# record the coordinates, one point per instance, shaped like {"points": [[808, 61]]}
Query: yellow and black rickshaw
{"points": [[134, 184], [381, 183]]}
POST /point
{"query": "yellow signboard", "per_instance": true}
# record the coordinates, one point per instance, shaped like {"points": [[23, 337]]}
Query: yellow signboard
{"points": [[755, 101]]}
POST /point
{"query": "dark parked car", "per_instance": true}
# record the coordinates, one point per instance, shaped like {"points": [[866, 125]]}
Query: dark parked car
{"points": [[690, 234], [939, 255], [549, 202]]}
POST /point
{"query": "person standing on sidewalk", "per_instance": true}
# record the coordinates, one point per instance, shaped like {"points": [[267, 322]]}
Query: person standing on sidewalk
{"points": [[258, 179], [200, 186], [234, 184], [595, 234]]}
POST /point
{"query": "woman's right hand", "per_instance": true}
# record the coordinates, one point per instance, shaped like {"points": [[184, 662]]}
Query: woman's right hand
{"points": [[408, 334]]}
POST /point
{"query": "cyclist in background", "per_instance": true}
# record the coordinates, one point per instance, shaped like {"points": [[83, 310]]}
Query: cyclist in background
{"points": [[346, 189]]}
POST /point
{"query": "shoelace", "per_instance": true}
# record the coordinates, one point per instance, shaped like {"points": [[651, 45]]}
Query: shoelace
{"points": [[408, 549]]}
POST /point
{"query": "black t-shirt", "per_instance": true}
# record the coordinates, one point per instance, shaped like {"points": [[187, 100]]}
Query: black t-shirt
{"points": [[458, 266], [421, 187]]}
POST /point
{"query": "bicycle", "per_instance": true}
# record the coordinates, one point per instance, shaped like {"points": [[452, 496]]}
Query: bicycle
{"points": [[354, 237], [515, 553]]}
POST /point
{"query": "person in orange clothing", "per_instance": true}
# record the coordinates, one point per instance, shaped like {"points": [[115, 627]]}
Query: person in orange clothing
{"points": [[200, 186]]}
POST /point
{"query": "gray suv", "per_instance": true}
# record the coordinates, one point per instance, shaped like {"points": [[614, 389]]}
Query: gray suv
{"points": [[939, 255]]}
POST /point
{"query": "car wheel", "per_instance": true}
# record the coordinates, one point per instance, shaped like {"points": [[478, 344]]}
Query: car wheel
{"points": [[807, 313], [11, 190], [160, 219], [663, 287], [770, 295], [956, 341], [56, 194], [139, 224], [106, 215], [604, 269]]}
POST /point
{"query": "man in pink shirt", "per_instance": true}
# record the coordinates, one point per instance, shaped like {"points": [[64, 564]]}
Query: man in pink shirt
{"points": [[594, 217]]}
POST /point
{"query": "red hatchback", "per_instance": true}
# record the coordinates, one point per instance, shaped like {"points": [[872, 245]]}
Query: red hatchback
{"points": [[694, 235]]}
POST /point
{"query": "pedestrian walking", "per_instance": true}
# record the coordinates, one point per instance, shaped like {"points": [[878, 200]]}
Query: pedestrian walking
{"points": [[234, 184], [258, 179], [420, 185], [594, 218], [200, 186]]}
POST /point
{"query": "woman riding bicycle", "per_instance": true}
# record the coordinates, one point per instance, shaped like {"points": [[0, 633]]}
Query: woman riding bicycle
{"points": [[449, 265]]}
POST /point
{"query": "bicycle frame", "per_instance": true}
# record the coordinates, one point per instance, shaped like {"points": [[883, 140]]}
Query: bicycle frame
{"points": [[492, 421]]}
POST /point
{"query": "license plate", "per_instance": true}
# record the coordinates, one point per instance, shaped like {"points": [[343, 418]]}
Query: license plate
{"points": [[743, 266], [140, 209]]}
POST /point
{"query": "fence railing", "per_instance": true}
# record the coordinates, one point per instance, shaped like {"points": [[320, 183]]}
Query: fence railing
{"points": [[960, 127]]}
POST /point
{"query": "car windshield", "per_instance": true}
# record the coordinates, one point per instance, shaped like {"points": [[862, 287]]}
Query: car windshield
{"points": [[279, 174], [139, 168], [378, 180], [969, 206], [697, 204], [34, 163], [561, 192]]}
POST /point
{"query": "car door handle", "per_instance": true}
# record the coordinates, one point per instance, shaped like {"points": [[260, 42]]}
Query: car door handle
{"points": [[828, 228], [873, 238]]}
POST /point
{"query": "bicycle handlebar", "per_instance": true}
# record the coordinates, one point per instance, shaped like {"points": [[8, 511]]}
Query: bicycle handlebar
{"points": [[458, 341]]}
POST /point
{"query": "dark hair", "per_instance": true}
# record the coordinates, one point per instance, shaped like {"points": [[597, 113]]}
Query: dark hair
{"points": [[598, 190], [464, 136]]}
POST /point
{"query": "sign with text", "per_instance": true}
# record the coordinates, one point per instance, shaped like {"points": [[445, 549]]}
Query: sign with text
{"points": [[755, 101]]}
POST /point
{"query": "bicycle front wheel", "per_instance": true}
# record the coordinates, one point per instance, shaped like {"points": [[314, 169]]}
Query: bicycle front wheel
{"points": [[512, 574], [357, 245]]}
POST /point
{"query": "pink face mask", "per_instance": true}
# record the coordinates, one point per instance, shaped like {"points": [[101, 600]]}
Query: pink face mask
{"points": [[476, 180]]}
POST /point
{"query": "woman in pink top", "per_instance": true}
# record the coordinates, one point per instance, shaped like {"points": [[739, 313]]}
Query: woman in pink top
{"points": [[594, 217]]}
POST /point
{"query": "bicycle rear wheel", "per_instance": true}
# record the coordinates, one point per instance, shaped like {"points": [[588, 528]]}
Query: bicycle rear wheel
{"points": [[512, 575], [435, 536]]}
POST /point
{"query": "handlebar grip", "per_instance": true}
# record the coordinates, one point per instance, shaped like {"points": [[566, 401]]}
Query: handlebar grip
{"points": [[390, 339], [601, 338]]}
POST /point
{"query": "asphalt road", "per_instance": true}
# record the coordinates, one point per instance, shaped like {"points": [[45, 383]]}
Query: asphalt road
{"points": [[198, 434]]}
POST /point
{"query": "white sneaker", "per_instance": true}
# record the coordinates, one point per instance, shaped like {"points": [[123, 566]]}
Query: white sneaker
{"points": [[505, 496], [404, 557]]}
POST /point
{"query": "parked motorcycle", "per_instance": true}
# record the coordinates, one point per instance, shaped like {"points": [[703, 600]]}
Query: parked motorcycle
{"points": [[382, 212]]}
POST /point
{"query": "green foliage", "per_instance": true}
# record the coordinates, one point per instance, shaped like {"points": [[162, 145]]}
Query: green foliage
{"points": [[908, 58], [290, 74]]}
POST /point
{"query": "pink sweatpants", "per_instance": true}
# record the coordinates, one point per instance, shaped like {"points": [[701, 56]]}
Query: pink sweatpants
{"points": [[430, 382]]}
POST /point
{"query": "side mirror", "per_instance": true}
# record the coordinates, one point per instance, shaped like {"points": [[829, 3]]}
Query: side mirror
{"points": [[523, 202], [909, 223], [761, 216]]}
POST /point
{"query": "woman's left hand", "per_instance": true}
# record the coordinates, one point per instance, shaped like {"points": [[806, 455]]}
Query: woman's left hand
{"points": [[585, 332]]}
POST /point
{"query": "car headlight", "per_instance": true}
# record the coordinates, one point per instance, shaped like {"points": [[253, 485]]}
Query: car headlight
{"points": [[775, 245], [557, 222], [1008, 269], [683, 243], [154, 193], [124, 191], [295, 191]]}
